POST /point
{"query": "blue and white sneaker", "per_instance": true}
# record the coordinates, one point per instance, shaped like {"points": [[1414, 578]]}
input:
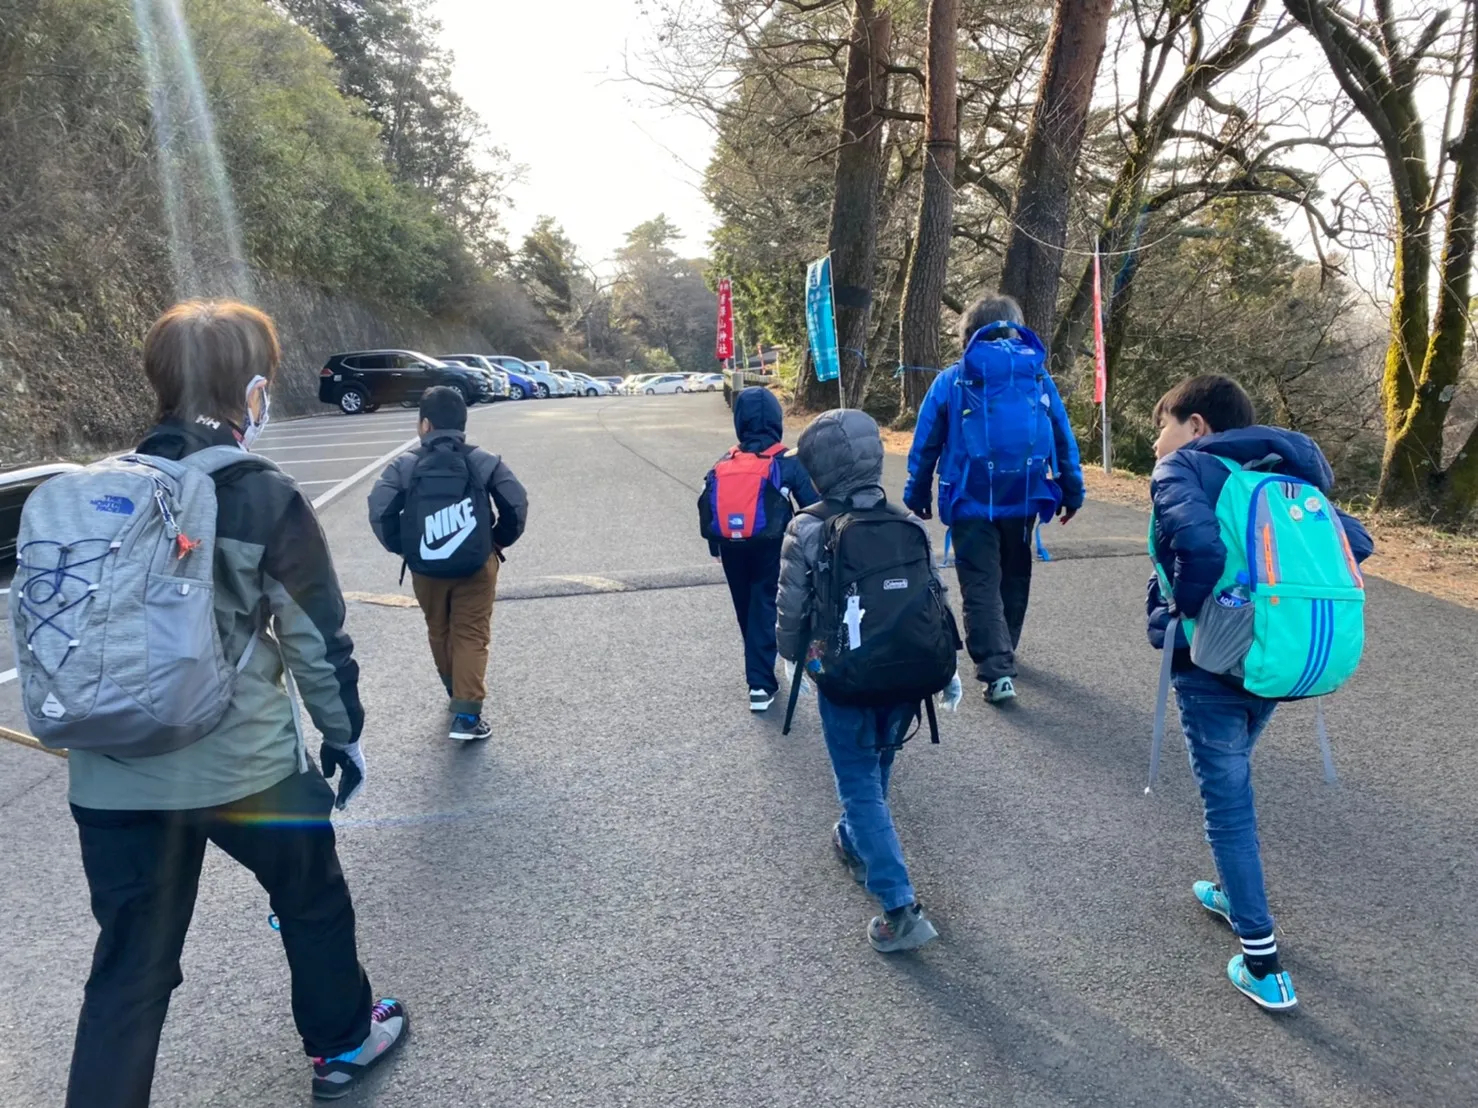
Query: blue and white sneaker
{"points": [[334, 1077], [1213, 899], [1273, 992]]}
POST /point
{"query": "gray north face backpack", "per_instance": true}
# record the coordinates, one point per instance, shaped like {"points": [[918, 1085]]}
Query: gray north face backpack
{"points": [[112, 606]]}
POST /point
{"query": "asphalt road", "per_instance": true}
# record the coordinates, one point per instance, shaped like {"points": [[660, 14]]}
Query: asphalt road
{"points": [[628, 896]]}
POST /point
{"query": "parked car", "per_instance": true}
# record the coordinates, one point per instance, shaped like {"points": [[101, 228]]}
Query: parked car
{"points": [[566, 386], [360, 381], [542, 384], [577, 386], [594, 386], [705, 382], [15, 486], [665, 383], [633, 384], [497, 379], [614, 382]]}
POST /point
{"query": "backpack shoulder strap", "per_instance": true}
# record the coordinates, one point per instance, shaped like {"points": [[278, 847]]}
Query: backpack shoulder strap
{"points": [[214, 459]]}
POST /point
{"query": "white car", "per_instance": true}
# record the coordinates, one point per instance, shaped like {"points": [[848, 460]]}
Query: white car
{"points": [[633, 385], [591, 386], [665, 383], [566, 385], [705, 382]]}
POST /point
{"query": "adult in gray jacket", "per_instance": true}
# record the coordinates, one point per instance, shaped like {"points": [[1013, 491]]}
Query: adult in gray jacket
{"points": [[420, 508], [248, 786], [843, 453]]}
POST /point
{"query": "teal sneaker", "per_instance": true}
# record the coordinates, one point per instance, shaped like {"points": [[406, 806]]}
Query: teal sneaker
{"points": [[1213, 899], [1273, 992]]}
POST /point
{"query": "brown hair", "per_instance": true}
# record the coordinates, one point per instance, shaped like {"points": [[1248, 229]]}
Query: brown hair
{"points": [[201, 354]]}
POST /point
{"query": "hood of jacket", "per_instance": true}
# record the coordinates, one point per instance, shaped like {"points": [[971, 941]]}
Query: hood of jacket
{"points": [[1300, 455], [997, 345], [758, 421], [843, 453]]}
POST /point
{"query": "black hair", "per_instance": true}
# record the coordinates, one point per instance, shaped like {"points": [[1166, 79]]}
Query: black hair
{"points": [[996, 308], [1220, 401], [444, 408]]}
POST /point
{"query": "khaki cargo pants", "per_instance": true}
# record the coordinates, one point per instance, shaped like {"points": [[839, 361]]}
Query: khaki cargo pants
{"points": [[459, 625]]}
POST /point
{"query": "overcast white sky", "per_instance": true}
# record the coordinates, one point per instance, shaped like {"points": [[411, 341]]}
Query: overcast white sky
{"points": [[546, 77]]}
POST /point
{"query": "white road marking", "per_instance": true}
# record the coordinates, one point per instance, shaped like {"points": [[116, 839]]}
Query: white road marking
{"points": [[325, 499], [326, 445], [321, 461], [322, 481], [8, 675]]}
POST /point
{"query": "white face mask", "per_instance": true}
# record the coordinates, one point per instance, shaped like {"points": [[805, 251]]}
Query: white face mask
{"points": [[256, 389]]}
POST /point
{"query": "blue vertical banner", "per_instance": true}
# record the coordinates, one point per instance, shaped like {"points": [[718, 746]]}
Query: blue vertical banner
{"points": [[820, 322]]}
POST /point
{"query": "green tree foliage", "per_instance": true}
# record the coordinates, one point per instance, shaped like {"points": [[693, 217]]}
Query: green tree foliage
{"points": [[661, 299]]}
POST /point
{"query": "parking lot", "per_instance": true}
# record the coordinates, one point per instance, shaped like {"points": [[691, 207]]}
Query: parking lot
{"points": [[327, 455]]}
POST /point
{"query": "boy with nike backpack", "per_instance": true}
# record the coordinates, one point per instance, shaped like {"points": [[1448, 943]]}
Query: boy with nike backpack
{"points": [[450, 510], [748, 499], [1257, 597]]}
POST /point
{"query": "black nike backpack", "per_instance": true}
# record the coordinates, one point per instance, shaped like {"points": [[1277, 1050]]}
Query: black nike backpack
{"points": [[446, 526], [884, 634]]}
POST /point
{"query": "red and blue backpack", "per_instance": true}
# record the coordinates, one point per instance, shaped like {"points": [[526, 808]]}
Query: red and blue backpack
{"points": [[744, 499]]}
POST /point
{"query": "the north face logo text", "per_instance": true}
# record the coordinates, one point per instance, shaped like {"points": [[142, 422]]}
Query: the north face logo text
{"points": [[447, 529]]}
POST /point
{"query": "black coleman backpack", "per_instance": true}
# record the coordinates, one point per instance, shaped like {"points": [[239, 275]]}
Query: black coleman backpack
{"points": [[446, 526], [884, 634]]}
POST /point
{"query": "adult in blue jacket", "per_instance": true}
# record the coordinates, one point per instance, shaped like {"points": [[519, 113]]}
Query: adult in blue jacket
{"points": [[994, 426]]}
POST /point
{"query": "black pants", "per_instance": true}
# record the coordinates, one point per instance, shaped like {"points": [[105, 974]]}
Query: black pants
{"points": [[753, 572], [994, 561], [143, 870]]}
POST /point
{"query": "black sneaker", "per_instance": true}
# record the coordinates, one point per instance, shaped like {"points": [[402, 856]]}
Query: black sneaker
{"points": [[905, 928], [849, 858], [334, 1077], [760, 700], [466, 729]]}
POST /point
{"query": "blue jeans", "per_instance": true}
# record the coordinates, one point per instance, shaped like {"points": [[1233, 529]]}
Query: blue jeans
{"points": [[862, 774], [1221, 726]]}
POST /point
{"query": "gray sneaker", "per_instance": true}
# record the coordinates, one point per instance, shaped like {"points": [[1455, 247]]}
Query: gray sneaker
{"points": [[334, 1077], [1000, 691], [905, 928]]}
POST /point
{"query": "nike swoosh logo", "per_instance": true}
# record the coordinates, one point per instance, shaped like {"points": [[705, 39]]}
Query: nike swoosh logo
{"points": [[449, 547]]}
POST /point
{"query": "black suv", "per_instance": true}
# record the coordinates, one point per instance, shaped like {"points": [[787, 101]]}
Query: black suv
{"points": [[363, 380]]}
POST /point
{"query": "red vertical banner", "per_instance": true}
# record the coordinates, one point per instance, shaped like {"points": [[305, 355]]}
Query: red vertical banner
{"points": [[723, 349], [1100, 355]]}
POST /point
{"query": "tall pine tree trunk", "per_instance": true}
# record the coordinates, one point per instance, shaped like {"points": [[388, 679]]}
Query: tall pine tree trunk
{"points": [[930, 258], [859, 178], [1039, 220]]}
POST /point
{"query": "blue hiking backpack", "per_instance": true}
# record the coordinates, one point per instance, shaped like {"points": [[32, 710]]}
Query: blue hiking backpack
{"points": [[1005, 416]]}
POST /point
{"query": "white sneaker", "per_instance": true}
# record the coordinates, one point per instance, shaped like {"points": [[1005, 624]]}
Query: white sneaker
{"points": [[1000, 691], [760, 701]]}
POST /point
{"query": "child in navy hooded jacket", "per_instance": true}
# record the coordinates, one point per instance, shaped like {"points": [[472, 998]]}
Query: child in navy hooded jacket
{"points": [[1201, 420], [752, 568]]}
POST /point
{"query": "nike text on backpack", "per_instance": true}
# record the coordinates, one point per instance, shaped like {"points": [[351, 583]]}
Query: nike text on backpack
{"points": [[883, 634], [743, 498], [446, 526], [113, 610], [1287, 617]]}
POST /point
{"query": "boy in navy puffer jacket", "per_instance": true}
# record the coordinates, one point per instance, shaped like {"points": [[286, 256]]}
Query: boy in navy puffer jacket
{"points": [[752, 566], [1201, 420]]}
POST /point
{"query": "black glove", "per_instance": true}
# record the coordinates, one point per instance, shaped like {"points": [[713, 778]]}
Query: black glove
{"points": [[349, 759]]}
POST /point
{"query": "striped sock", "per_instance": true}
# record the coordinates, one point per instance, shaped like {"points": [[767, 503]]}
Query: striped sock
{"points": [[1260, 955]]}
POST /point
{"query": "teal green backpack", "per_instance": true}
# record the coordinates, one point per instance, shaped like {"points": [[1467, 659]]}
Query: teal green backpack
{"points": [[1287, 617]]}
